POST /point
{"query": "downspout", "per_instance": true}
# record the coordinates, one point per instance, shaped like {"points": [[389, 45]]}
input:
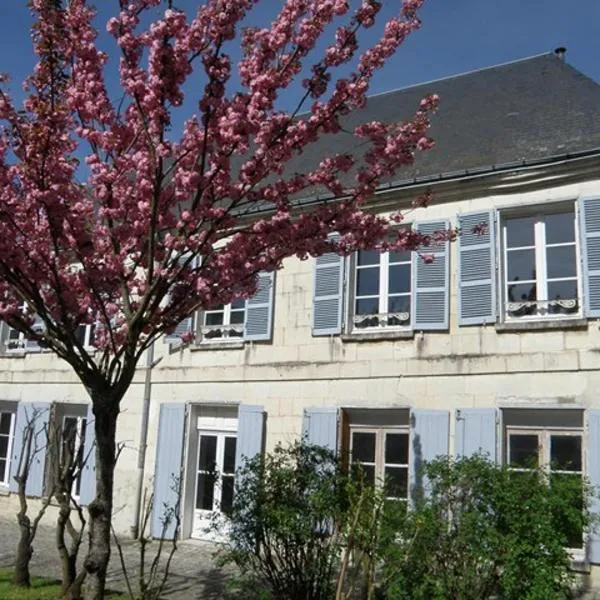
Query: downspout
{"points": [[139, 488]]}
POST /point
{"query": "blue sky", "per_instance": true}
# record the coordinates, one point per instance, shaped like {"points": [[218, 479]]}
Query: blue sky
{"points": [[457, 36]]}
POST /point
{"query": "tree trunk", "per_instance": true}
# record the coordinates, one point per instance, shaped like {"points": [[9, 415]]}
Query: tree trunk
{"points": [[106, 411], [24, 552], [68, 560]]}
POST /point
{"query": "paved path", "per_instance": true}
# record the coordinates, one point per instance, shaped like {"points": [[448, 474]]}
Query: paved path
{"points": [[194, 574]]}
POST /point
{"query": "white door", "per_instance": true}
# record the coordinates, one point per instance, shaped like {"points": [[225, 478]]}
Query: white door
{"points": [[215, 475]]}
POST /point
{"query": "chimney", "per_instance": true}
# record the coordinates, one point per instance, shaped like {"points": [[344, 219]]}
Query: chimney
{"points": [[560, 53]]}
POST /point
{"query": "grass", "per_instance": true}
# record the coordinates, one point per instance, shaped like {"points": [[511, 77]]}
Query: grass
{"points": [[42, 588]]}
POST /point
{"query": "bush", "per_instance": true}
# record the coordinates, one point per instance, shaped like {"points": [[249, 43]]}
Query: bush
{"points": [[485, 531]]}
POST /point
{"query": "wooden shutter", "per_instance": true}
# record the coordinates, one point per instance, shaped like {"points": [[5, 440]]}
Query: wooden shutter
{"points": [[250, 434], [476, 432], [258, 324], [476, 269], [39, 414], [328, 295], [589, 220], [87, 491], [593, 474], [320, 427], [429, 436], [431, 282], [167, 469]]}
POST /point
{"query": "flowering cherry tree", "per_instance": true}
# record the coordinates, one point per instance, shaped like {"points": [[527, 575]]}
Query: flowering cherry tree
{"points": [[116, 242]]}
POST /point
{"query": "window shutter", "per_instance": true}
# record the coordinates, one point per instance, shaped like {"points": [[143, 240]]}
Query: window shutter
{"points": [[167, 468], [593, 473], [251, 425], [476, 269], [589, 218], [431, 282], [258, 324], [328, 295], [87, 491], [429, 437], [475, 432], [182, 328], [320, 427], [39, 413]]}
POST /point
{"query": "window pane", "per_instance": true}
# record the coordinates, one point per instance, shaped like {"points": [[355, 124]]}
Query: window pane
{"points": [[367, 282], [520, 232], [398, 304], [208, 453], [237, 317], [524, 292], [396, 482], [560, 228], [206, 491], [565, 452], [521, 265], [227, 494], [80, 334], [5, 419], [214, 318], [364, 473], [368, 257], [563, 290], [363, 447], [367, 306], [404, 256], [2, 469], [396, 448], [399, 281], [3, 447], [523, 451], [561, 261], [229, 455], [568, 515], [239, 303]]}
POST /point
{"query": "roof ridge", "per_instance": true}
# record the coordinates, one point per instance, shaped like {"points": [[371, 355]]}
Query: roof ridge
{"points": [[463, 74]]}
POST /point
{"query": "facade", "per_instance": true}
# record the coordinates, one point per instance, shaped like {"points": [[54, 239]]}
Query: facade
{"points": [[494, 346]]}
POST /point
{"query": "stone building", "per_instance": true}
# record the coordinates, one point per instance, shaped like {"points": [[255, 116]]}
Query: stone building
{"points": [[494, 346]]}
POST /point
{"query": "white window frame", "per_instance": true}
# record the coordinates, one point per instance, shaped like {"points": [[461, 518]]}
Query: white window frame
{"points": [[225, 327], [539, 212], [544, 434], [380, 464], [79, 445], [11, 437], [383, 297]]}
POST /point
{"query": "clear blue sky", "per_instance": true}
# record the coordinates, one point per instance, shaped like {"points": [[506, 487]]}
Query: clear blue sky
{"points": [[457, 36]]}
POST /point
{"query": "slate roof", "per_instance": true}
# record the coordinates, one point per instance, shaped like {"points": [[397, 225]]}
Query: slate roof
{"points": [[528, 110]]}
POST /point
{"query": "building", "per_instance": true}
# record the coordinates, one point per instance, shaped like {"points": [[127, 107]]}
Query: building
{"points": [[494, 346]]}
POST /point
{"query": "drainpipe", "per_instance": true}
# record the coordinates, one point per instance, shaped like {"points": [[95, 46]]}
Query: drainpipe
{"points": [[139, 489]]}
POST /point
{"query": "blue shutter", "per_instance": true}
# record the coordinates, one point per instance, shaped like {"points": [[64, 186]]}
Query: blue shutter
{"points": [[328, 295], [476, 269], [87, 491], [431, 282], [167, 468], [320, 427], [185, 326], [259, 309], [429, 438], [475, 432], [39, 413], [251, 424], [589, 218], [593, 474]]}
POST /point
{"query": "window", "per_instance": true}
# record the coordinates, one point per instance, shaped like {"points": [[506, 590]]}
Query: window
{"points": [[541, 274], [7, 425], [85, 335], [224, 322], [382, 294], [540, 441], [377, 440], [72, 445]]}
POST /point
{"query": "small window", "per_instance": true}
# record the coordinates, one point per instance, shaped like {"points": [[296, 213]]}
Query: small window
{"points": [[382, 290], [224, 322], [85, 335], [558, 452], [7, 425], [541, 266]]}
